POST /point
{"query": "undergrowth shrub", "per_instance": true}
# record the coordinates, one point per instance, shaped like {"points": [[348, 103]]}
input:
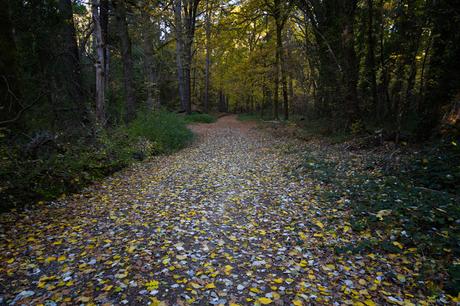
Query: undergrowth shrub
{"points": [[166, 131], [65, 165], [201, 118]]}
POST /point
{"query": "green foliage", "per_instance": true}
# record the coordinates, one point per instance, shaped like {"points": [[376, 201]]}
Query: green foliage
{"points": [[249, 117], [63, 166], [416, 204], [166, 131], [201, 118]]}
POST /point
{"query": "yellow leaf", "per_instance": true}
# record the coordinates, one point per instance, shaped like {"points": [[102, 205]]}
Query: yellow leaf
{"points": [[399, 245], [234, 304], [210, 286], [369, 303], [278, 280], [362, 282], [264, 301], [319, 224], [401, 278], [346, 228], [107, 288], [11, 260], [297, 302], [152, 285], [156, 302], [61, 258], [228, 268], [383, 213], [194, 285], [253, 289]]}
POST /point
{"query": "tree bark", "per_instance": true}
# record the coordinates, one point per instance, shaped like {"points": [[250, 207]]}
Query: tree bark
{"points": [[104, 16], [282, 64], [153, 101], [208, 56], [126, 58], [99, 65], [350, 62], [179, 51], [10, 94], [371, 55]]}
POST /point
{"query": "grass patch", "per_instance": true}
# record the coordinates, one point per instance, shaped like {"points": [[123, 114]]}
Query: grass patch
{"points": [[200, 118], [59, 166]]}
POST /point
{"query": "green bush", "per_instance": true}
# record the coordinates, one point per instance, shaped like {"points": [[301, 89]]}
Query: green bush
{"points": [[165, 132], [249, 117], [202, 118]]}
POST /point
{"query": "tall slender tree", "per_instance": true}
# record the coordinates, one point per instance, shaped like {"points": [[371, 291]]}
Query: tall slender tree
{"points": [[126, 58]]}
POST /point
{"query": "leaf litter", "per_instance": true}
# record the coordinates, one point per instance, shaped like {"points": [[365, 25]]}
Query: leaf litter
{"points": [[218, 223]]}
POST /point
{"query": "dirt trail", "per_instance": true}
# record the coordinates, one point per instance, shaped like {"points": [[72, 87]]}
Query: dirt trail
{"points": [[220, 222]]}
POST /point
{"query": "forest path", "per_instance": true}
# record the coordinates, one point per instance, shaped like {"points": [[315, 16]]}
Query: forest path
{"points": [[220, 222]]}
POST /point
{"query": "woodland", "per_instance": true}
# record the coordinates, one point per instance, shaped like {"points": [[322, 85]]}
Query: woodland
{"points": [[309, 148]]}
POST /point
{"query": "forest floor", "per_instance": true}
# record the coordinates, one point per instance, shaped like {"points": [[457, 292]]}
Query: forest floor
{"points": [[221, 222]]}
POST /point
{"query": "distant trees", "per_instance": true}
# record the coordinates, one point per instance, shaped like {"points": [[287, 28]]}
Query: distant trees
{"points": [[347, 63], [379, 63]]}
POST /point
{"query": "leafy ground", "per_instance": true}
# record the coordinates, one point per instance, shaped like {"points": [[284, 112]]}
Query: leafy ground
{"points": [[238, 218]]}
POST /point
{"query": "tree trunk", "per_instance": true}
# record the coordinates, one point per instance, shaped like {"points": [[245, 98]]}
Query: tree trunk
{"points": [[188, 76], [71, 60], [10, 108], [99, 65], [282, 68], [152, 102], [208, 57], [350, 62], [104, 16], [126, 58], [179, 51], [371, 55]]}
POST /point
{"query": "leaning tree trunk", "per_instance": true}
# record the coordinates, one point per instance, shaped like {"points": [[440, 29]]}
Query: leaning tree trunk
{"points": [[126, 58]]}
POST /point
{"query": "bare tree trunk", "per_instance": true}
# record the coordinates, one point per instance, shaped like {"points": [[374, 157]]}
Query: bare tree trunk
{"points": [[277, 77], [188, 76], [152, 102], [71, 59], [371, 54], [126, 58], [190, 13], [99, 65], [350, 62], [179, 51], [280, 52], [10, 108], [104, 16], [208, 56]]}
